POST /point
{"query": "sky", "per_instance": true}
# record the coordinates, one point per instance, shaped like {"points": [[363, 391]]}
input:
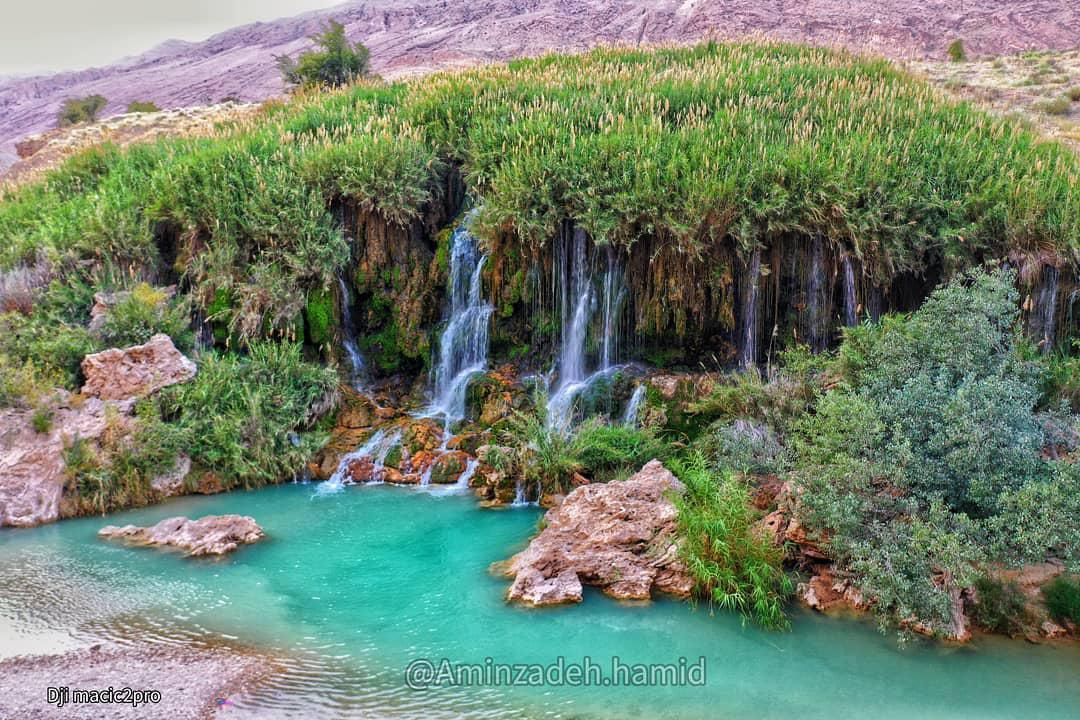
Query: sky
{"points": [[39, 36]]}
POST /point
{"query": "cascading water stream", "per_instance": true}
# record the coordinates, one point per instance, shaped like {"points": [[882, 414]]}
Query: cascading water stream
{"points": [[348, 341], [851, 307], [748, 346], [1042, 319], [578, 306], [463, 347], [633, 405], [377, 447], [815, 298]]}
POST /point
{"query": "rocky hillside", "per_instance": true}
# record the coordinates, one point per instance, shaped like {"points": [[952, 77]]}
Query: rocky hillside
{"points": [[409, 36]]}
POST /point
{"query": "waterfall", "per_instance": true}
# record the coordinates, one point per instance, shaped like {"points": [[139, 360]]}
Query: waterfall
{"points": [[1041, 322], [463, 346], [519, 494], [577, 310], [815, 298], [851, 312], [470, 470], [348, 331], [633, 405], [748, 350], [377, 447]]}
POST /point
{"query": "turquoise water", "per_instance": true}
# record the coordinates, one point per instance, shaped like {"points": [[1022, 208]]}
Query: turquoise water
{"points": [[351, 587]]}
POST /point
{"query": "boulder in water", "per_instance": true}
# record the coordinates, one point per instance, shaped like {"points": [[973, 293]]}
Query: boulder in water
{"points": [[211, 535], [136, 371], [619, 536]]}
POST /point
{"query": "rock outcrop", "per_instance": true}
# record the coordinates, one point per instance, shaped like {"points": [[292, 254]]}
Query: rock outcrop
{"points": [[136, 371], [32, 463], [211, 535], [619, 536]]}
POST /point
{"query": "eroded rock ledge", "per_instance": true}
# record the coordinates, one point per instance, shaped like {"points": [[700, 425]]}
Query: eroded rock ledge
{"points": [[211, 535], [618, 536]]}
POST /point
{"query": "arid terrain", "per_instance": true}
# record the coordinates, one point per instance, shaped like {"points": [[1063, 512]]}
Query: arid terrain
{"points": [[410, 36]]}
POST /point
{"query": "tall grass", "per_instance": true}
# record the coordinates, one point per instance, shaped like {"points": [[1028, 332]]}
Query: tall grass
{"points": [[683, 146]]}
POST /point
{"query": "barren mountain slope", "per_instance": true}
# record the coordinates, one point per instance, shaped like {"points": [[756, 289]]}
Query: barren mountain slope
{"points": [[409, 36]]}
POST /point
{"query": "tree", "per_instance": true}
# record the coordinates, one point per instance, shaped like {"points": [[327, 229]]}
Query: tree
{"points": [[77, 110], [140, 106], [337, 63]]}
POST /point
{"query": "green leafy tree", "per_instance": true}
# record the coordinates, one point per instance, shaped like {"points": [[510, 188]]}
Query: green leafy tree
{"points": [[336, 62], [79, 110]]}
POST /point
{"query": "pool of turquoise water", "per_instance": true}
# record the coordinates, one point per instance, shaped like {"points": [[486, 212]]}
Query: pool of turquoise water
{"points": [[350, 588]]}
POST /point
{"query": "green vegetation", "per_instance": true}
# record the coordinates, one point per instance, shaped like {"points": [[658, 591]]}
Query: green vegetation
{"points": [[1073, 93], [337, 63], [925, 461], [117, 472], [1053, 106], [1063, 599], [80, 110], [862, 154], [143, 313], [245, 418], [734, 563], [956, 51], [596, 449], [1001, 606], [142, 107], [42, 420]]}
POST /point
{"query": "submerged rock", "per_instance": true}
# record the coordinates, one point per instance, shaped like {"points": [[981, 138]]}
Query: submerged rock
{"points": [[136, 371], [211, 535], [619, 536]]}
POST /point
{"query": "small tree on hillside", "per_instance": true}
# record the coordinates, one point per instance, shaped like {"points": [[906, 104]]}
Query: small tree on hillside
{"points": [[77, 110], [334, 64]]}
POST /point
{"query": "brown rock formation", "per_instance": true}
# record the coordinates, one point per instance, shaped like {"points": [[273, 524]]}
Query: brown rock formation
{"points": [[32, 463], [618, 536], [211, 535], [136, 371]]}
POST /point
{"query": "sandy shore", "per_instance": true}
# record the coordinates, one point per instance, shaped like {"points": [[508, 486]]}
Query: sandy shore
{"points": [[190, 681]]}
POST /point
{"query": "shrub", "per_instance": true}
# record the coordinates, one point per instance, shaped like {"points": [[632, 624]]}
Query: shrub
{"points": [[1073, 93], [337, 63], [142, 107], [956, 51], [743, 446], [1063, 599], [143, 313], [80, 110], [733, 563], [42, 420], [550, 456], [119, 470], [1053, 106], [55, 349], [246, 417], [22, 383], [925, 462], [1001, 606]]}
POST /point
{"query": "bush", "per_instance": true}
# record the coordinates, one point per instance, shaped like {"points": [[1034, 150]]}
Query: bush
{"points": [[80, 110], [42, 420], [1053, 106], [956, 51], [119, 471], [337, 63], [1001, 606], [743, 446], [1063, 599], [1073, 93], [245, 417], [142, 107], [143, 313], [733, 563], [926, 461], [54, 349], [550, 456]]}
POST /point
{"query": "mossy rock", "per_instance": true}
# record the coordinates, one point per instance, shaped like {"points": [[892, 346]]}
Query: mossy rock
{"points": [[319, 315], [448, 468]]}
